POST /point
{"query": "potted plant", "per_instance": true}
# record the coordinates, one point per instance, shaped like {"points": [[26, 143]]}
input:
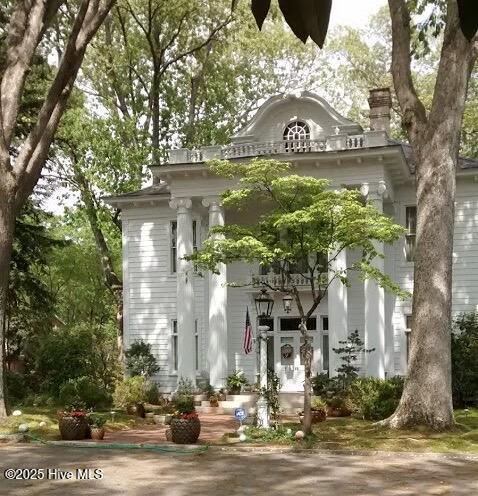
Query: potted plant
{"points": [[131, 394], [185, 423], [236, 381], [73, 423], [339, 405], [163, 414], [318, 410], [214, 400], [97, 428]]}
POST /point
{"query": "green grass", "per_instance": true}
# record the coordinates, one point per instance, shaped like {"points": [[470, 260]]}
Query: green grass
{"points": [[353, 434], [34, 415]]}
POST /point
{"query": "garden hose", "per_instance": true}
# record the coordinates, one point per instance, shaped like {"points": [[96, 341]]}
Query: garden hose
{"points": [[147, 447]]}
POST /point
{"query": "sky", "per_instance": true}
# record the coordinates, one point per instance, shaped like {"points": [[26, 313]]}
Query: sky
{"points": [[353, 12]]}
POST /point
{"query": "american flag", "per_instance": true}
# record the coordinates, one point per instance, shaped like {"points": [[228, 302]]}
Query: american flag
{"points": [[248, 334]]}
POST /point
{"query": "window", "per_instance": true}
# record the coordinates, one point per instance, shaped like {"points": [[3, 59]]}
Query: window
{"points": [[325, 343], [196, 345], [408, 334], [173, 237], [174, 345], [297, 135], [174, 240], [411, 225], [292, 324]]}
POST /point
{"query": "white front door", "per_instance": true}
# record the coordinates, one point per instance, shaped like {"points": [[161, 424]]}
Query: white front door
{"points": [[289, 361]]}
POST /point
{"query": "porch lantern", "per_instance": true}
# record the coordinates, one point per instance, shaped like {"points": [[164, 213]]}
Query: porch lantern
{"points": [[264, 304], [287, 302]]}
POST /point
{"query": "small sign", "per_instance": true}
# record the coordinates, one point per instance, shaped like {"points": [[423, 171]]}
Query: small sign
{"points": [[240, 414]]}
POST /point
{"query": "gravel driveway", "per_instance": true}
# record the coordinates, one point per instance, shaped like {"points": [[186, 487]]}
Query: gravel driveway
{"points": [[235, 472]]}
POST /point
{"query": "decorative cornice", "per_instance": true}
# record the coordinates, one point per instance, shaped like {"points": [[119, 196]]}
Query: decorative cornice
{"points": [[212, 202]]}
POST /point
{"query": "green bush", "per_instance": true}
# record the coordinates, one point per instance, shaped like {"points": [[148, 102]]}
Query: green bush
{"points": [[132, 391], [464, 355], [84, 390], [184, 403], [140, 360], [376, 399], [17, 388], [153, 395], [236, 381]]}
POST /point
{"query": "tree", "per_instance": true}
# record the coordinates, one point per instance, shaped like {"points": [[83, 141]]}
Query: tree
{"points": [[302, 220], [29, 22], [435, 140]]}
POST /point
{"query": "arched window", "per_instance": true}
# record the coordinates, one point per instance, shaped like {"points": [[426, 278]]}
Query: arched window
{"points": [[297, 137]]}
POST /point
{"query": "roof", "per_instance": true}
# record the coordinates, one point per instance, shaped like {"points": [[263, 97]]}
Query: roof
{"points": [[160, 189], [463, 162]]}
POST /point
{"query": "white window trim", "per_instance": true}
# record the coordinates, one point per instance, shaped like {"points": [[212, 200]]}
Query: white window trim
{"points": [[323, 332], [172, 369], [197, 235], [408, 262]]}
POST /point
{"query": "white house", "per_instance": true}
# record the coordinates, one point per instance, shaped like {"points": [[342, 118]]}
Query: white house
{"points": [[196, 324]]}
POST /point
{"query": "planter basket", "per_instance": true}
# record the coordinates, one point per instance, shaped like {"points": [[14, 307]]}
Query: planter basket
{"points": [[73, 428], [97, 433], [185, 431]]}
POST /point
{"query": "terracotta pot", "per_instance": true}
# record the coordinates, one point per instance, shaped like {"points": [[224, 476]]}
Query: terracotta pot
{"points": [[73, 428], [214, 403], [97, 433], [185, 431]]}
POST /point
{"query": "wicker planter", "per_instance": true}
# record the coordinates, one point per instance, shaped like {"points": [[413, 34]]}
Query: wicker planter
{"points": [[73, 428], [185, 431], [97, 433]]}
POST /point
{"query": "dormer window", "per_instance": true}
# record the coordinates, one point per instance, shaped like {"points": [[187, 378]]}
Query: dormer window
{"points": [[297, 137]]}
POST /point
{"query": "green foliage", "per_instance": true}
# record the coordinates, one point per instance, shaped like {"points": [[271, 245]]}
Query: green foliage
{"points": [[236, 381], [464, 354], [376, 399], [318, 404], [271, 393], [295, 222], [17, 387], [84, 390], [132, 391], [73, 352], [184, 403], [352, 347], [140, 360], [185, 387], [322, 384], [96, 421]]}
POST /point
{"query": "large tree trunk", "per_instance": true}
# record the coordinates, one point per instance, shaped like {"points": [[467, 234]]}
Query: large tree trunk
{"points": [[427, 396], [7, 225]]}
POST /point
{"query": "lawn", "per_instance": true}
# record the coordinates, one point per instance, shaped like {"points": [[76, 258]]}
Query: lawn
{"points": [[33, 416], [353, 434]]}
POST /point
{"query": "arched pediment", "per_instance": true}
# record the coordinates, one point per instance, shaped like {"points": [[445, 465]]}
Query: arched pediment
{"points": [[280, 111]]}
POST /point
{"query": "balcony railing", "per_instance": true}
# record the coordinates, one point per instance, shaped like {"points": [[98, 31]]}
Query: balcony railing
{"points": [[274, 280], [339, 142]]}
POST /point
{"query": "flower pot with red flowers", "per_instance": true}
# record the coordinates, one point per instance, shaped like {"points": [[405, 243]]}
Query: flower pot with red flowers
{"points": [[73, 424], [97, 427], [185, 424]]}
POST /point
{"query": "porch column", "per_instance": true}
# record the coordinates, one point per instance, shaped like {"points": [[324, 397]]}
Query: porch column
{"points": [[217, 335], [375, 304], [185, 289], [337, 308]]}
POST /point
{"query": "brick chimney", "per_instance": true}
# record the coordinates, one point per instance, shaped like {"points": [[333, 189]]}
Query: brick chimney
{"points": [[380, 102]]}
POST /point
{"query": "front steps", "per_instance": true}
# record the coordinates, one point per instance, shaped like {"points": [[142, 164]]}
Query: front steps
{"points": [[290, 403]]}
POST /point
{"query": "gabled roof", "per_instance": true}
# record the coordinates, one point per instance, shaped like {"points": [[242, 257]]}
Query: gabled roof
{"points": [[155, 190]]}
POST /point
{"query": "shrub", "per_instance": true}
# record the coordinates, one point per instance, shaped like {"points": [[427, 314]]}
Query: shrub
{"points": [[376, 399], [152, 394], [140, 360], [131, 391], [318, 404], [464, 353], [84, 390], [17, 387], [96, 421], [185, 387], [184, 403]]}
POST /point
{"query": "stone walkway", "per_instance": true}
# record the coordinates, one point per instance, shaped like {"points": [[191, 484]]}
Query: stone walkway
{"points": [[213, 427], [226, 472]]}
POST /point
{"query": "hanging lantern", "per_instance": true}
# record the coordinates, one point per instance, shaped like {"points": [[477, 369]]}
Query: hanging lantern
{"points": [[264, 304], [287, 302]]}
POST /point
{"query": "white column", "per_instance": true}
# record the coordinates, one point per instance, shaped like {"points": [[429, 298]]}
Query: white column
{"points": [[217, 335], [375, 305], [337, 308], [185, 290]]}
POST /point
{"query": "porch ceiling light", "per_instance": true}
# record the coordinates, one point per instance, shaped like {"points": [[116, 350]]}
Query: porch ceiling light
{"points": [[264, 304], [287, 301]]}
